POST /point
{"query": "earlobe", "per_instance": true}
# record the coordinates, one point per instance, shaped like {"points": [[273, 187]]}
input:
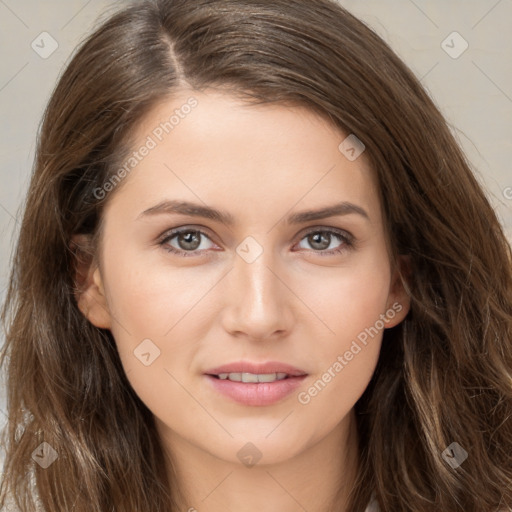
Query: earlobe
{"points": [[399, 301], [89, 289]]}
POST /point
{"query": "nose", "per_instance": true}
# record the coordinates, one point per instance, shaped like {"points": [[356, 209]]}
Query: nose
{"points": [[258, 303]]}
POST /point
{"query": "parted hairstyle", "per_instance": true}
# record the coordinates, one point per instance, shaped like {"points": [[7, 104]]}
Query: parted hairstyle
{"points": [[444, 374]]}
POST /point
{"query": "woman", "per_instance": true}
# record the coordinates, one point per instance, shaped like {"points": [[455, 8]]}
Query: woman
{"points": [[255, 272]]}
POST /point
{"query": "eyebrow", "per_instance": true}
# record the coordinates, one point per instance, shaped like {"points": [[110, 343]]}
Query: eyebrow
{"points": [[196, 210]]}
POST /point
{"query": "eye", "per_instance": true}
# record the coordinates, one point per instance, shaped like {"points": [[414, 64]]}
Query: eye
{"points": [[188, 241], [321, 239]]}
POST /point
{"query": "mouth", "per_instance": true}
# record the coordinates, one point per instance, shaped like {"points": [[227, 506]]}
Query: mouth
{"points": [[247, 371], [255, 384], [248, 377]]}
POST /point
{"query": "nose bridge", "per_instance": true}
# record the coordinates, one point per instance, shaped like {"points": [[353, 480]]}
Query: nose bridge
{"points": [[257, 299]]}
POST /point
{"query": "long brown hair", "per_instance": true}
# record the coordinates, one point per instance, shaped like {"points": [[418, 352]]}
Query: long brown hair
{"points": [[444, 374]]}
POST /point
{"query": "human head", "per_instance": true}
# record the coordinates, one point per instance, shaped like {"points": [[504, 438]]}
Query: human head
{"points": [[312, 54]]}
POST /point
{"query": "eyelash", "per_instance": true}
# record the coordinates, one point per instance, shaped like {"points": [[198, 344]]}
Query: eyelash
{"points": [[346, 238]]}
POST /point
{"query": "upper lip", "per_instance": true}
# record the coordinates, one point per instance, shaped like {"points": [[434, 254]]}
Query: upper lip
{"points": [[256, 368]]}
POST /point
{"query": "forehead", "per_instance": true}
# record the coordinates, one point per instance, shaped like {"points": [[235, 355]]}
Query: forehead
{"points": [[219, 149]]}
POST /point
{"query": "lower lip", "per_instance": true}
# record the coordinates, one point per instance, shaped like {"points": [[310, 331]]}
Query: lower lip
{"points": [[256, 393]]}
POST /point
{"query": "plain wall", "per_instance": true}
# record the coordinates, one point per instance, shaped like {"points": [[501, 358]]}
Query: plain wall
{"points": [[473, 89]]}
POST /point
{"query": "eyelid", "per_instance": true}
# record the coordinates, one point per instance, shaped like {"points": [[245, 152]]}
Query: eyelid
{"points": [[314, 229], [164, 240], [348, 239], [349, 242], [205, 231], [184, 228]]}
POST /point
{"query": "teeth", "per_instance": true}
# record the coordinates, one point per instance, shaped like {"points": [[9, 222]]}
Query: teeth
{"points": [[252, 377]]}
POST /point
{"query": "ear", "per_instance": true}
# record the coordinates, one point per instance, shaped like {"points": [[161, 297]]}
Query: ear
{"points": [[399, 300], [89, 290]]}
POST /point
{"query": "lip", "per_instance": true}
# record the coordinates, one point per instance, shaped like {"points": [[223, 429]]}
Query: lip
{"points": [[249, 367], [260, 393]]}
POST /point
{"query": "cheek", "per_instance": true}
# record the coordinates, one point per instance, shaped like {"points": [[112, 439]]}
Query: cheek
{"points": [[160, 310], [158, 300], [145, 301], [338, 309], [153, 308], [350, 304], [333, 393], [346, 360], [149, 297], [347, 299]]}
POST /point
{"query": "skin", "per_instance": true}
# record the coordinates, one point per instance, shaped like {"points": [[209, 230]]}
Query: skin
{"points": [[260, 164]]}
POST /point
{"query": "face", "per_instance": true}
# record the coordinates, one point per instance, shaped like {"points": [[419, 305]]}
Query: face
{"points": [[185, 289]]}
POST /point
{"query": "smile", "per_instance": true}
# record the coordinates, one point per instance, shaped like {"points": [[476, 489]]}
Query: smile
{"points": [[252, 377]]}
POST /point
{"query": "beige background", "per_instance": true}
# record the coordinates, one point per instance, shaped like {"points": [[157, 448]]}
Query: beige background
{"points": [[474, 90]]}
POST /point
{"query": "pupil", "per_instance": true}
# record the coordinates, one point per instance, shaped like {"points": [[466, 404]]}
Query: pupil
{"points": [[191, 240], [316, 240]]}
